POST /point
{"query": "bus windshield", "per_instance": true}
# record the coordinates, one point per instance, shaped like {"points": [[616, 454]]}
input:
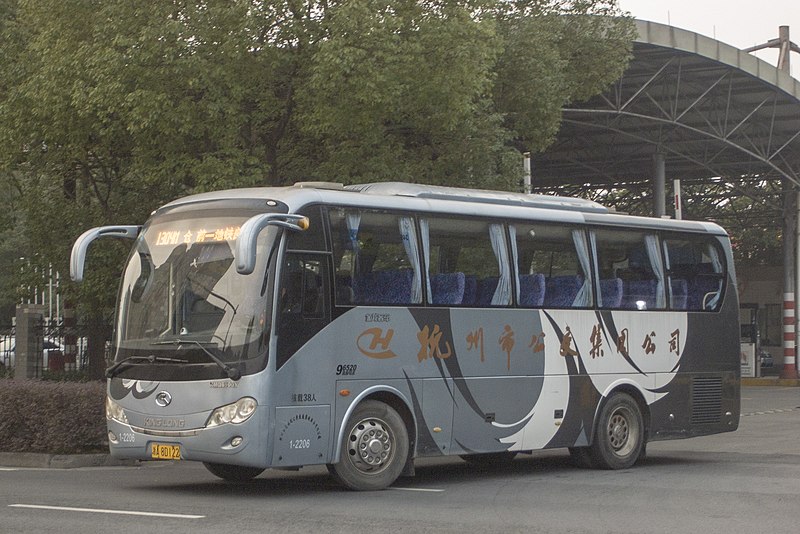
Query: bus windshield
{"points": [[181, 291]]}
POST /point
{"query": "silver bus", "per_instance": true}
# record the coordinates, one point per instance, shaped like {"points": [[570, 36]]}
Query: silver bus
{"points": [[365, 326]]}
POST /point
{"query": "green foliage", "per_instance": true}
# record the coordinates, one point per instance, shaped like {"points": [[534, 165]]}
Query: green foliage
{"points": [[109, 109], [52, 417]]}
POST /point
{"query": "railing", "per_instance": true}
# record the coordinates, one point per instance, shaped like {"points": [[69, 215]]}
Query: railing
{"points": [[6, 348], [61, 352]]}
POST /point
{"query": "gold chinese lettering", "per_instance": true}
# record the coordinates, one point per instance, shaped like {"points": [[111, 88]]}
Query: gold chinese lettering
{"points": [[475, 340], [537, 342], [430, 344], [566, 344], [506, 342], [596, 341], [675, 342], [648, 344], [623, 346]]}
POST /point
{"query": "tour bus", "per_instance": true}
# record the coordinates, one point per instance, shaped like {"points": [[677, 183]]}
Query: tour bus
{"points": [[365, 326]]}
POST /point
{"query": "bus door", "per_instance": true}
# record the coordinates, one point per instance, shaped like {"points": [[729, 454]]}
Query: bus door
{"points": [[303, 302]]}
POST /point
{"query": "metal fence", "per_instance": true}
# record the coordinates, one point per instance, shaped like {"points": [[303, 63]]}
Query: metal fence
{"points": [[66, 351], [6, 349]]}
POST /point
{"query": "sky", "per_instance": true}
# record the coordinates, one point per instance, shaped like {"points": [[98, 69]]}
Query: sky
{"points": [[741, 23]]}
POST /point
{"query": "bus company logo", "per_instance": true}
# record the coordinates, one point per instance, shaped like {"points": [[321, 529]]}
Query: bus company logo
{"points": [[373, 343], [164, 422], [163, 398]]}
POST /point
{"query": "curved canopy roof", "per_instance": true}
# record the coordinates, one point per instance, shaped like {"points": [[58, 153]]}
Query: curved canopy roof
{"points": [[712, 110]]}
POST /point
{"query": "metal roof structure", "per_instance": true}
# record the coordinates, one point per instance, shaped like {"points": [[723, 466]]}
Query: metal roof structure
{"points": [[711, 109]]}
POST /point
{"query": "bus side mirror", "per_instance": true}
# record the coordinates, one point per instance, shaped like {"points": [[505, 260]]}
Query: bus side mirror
{"points": [[78, 257], [245, 253]]}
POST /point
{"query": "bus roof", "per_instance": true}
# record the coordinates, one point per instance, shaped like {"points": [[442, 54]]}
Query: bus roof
{"points": [[420, 197]]}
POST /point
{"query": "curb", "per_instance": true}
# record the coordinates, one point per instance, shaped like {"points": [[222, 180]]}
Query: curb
{"points": [[771, 381], [62, 461]]}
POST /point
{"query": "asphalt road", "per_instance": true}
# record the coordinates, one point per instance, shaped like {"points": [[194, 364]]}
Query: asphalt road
{"points": [[742, 482]]}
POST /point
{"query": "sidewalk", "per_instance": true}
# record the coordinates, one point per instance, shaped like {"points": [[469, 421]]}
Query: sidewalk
{"points": [[61, 461], [771, 381]]}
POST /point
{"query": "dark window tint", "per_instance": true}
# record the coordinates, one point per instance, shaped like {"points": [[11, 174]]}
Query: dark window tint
{"points": [[696, 273]]}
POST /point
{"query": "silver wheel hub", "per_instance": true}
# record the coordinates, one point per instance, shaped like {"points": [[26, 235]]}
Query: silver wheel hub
{"points": [[370, 445], [623, 432]]}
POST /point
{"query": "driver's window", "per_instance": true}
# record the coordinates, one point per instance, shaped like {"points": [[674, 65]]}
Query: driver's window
{"points": [[301, 289]]}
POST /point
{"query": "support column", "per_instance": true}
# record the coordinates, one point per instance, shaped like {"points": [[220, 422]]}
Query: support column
{"points": [[70, 338], [659, 184], [789, 369], [28, 341]]}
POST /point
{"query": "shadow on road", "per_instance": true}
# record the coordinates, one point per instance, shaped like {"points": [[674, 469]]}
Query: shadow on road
{"points": [[430, 473]]}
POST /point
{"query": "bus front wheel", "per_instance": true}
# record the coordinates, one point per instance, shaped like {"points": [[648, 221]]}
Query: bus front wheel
{"points": [[619, 439], [233, 473], [374, 448]]}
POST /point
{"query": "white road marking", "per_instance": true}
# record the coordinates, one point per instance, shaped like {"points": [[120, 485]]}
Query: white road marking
{"points": [[418, 489], [8, 469], [102, 511]]}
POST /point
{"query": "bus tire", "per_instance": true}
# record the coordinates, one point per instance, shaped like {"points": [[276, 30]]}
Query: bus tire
{"points": [[374, 448], [619, 437], [233, 473], [490, 459]]}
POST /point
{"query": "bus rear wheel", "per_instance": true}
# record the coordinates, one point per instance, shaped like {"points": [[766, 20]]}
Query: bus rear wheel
{"points": [[374, 448], [619, 439], [233, 473]]}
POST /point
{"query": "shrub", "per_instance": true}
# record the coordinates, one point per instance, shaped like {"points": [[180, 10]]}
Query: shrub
{"points": [[52, 417]]}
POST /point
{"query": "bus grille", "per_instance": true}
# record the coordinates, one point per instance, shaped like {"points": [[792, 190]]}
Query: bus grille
{"points": [[706, 400]]}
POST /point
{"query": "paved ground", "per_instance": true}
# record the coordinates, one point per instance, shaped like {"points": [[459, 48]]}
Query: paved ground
{"points": [[742, 482]]}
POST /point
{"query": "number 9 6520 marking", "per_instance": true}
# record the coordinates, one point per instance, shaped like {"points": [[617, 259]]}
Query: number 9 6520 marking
{"points": [[346, 370]]}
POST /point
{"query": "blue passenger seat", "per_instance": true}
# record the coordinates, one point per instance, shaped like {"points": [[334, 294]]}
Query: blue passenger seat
{"points": [[639, 291], [611, 292], [447, 289], [560, 291], [531, 290], [680, 293]]}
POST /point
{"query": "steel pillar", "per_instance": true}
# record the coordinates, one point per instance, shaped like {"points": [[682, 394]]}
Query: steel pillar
{"points": [[659, 185]]}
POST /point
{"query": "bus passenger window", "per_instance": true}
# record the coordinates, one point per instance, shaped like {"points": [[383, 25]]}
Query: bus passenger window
{"points": [[552, 272], [376, 258], [696, 272], [630, 271], [469, 262]]}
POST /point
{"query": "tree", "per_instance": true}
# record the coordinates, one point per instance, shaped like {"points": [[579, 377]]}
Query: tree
{"points": [[110, 108]]}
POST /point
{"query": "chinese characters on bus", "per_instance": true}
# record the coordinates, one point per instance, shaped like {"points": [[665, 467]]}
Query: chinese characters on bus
{"points": [[201, 235], [374, 343]]}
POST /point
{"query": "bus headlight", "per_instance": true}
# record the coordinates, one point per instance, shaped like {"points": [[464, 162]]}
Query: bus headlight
{"points": [[114, 411], [238, 412]]}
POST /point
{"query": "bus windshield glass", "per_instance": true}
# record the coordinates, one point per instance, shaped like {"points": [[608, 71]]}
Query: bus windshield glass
{"points": [[181, 291]]}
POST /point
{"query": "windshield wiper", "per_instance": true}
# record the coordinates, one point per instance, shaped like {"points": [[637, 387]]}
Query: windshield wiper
{"points": [[232, 372], [111, 372]]}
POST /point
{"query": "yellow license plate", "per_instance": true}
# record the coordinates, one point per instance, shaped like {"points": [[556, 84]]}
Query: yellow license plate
{"points": [[163, 451]]}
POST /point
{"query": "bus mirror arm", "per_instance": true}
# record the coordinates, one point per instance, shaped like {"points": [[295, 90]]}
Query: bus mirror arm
{"points": [[78, 257], [246, 244]]}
